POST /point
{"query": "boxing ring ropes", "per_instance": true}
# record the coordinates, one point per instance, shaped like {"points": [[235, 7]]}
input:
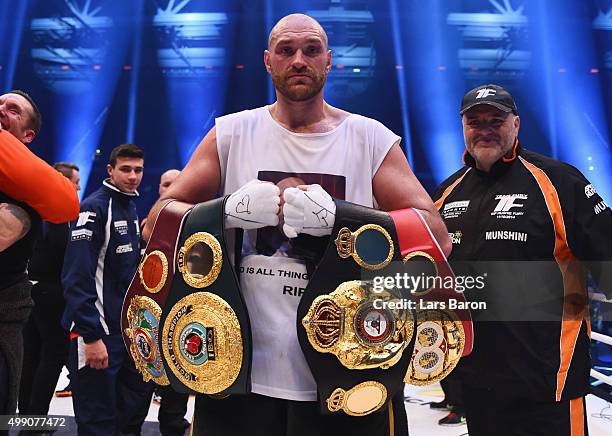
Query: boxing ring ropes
{"points": [[594, 373], [597, 375], [604, 339]]}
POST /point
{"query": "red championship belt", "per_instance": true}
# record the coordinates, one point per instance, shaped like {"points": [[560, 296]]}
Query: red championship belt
{"points": [[148, 292], [444, 324]]}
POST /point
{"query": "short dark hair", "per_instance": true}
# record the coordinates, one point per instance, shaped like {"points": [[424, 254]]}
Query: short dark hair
{"points": [[125, 150], [36, 118], [66, 168]]}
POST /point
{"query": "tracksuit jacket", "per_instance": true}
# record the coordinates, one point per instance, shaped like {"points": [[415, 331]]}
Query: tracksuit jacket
{"points": [[102, 256], [532, 227]]}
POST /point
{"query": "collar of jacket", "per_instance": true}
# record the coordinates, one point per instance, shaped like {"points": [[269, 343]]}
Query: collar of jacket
{"points": [[499, 167], [107, 183]]}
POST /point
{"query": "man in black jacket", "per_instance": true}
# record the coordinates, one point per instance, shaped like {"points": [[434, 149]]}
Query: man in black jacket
{"points": [[532, 226], [45, 341], [20, 122]]}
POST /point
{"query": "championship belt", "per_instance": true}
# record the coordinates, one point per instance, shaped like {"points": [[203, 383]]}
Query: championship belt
{"points": [[357, 337], [205, 330], [357, 351], [443, 335], [148, 292]]}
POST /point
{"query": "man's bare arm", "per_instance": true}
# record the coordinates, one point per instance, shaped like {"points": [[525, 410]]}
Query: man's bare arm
{"points": [[198, 182], [396, 187], [14, 224]]}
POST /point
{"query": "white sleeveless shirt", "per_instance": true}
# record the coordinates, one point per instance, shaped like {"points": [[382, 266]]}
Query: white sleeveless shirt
{"points": [[252, 145]]}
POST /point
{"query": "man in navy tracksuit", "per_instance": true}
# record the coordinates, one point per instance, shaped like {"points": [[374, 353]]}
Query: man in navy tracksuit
{"points": [[102, 256]]}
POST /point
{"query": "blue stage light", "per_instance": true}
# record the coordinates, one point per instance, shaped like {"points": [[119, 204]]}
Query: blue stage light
{"points": [[353, 51], [570, 96], [269, 22], [68, 48], [434, 88], [12, 18], [135, 69], [71, 55], [193, 58], [401, 81], [493, 43]]}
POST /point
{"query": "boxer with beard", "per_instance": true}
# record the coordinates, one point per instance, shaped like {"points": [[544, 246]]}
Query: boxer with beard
{"points": [[335, 153]]}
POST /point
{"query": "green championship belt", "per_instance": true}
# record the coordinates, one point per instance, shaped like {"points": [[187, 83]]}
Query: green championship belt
{"points": [[205, 331]]}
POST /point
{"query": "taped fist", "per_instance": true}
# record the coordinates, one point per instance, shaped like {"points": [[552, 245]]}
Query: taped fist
{"points": [[253, 206], [308, 209]]}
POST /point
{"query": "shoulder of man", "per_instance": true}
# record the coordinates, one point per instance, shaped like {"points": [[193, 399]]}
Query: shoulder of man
{"points": [[247, 113], [92, 215], [565, 177], [439, 190]]}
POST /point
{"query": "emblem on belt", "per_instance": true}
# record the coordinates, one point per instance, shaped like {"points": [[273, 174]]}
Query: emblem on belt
{"points": [[370, 246], [200, 260], [360, 400], [439, 345], [143, 318], [153, 271], [348, 324], [202, 343], [420, 263], [197, 343]]}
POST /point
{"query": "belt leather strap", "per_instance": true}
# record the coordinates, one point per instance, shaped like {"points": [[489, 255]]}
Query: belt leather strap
{"points": [[218, 300], [141, 306], [331, 376]]}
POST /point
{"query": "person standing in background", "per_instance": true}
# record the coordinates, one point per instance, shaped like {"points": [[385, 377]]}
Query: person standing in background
{"points": [[28, 190], [45, 340], [102, 255]]}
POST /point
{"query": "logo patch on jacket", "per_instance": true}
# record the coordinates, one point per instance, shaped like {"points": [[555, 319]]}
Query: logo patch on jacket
{"points": [[600, 207], [455, 209], [506, 236], [589, 190], [456, 237], [81, 234], [121, 227], [84, 218], [126, 248], [507, 204]]}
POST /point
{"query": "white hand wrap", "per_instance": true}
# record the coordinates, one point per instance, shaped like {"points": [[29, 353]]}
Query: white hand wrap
{"points": [[312, 212], [253, 206]]}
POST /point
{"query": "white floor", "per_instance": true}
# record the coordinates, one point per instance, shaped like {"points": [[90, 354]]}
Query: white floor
{"points": [[422, 420]]}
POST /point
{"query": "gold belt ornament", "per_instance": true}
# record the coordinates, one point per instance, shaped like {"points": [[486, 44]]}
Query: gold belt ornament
{"points": [[200, 260], [153, 271], [438, 347], [202, 342], [143, 317], [370, 246], [360, 400], [348, 324]]}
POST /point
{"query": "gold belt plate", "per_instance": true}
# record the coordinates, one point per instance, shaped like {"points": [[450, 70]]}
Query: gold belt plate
{"points": [[143, 319], [202, 343], [347, 324], [360, 400], [439, 344]]}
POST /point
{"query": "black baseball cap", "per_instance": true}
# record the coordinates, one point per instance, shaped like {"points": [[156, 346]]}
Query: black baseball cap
{"points": [[493, 95]]}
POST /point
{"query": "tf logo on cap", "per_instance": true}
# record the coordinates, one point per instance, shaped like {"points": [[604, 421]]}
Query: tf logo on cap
{"points": [[493, 95]]}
